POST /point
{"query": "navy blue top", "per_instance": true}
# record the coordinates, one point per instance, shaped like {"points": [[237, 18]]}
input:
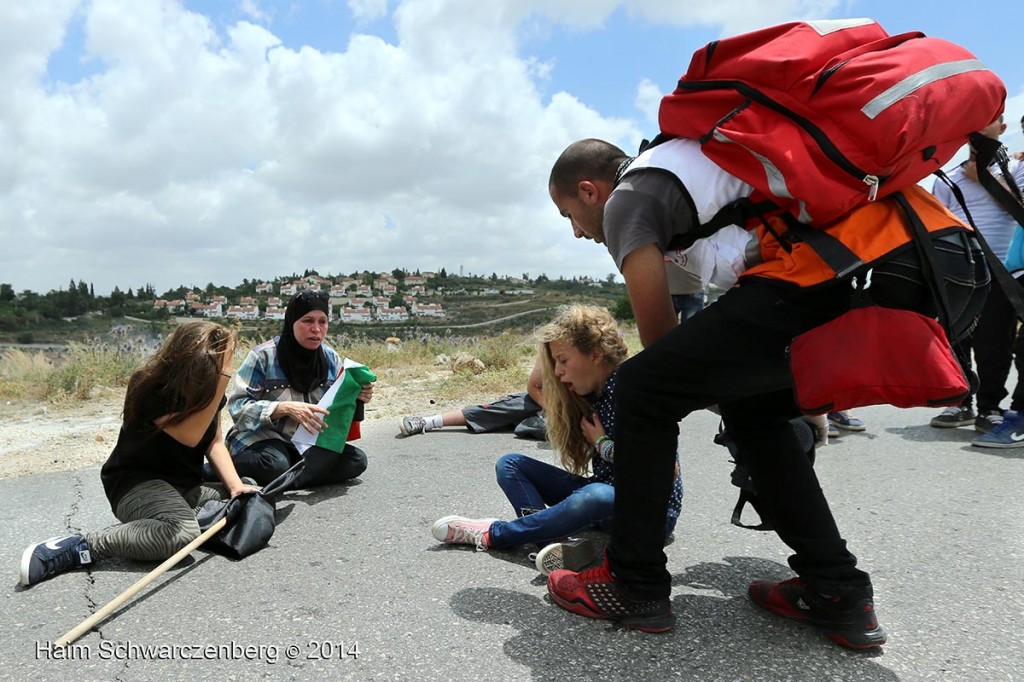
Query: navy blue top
{"points": [[604, 406]]}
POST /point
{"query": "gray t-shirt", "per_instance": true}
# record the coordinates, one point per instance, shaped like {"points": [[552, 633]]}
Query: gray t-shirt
{"points": [[648, 206], [681, 282]]}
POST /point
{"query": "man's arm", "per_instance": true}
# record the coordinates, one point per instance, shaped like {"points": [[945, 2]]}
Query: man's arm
{"points": [[644, 272]]}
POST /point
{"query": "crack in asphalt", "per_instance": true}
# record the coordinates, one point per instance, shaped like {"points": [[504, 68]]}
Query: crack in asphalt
{"points": [[90, 579]]}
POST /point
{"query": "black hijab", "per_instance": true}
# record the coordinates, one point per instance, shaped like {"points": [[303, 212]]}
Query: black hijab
{"points": [[304, 369]]}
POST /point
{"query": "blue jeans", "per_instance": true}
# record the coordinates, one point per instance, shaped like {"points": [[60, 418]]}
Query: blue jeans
{"points": [[688, 305], [550, 502], [555, 502]]}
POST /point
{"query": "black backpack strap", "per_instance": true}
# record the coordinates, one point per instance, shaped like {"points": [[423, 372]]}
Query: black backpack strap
{"points": [[737, 512], [836, 255], [737, 212], [930, 270], [989, 150], [646, 144]]}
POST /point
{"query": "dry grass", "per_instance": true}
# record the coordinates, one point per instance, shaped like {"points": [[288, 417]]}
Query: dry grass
{"points": [[89, 367], [76, 374], [424, 366], [24, 374]]}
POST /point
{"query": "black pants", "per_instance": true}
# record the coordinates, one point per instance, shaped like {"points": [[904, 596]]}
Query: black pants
{"points": [[266, 460], [732, 353], [996, 344]]}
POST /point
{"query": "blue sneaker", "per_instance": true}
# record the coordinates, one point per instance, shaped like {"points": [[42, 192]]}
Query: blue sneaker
{"points": [[845, 421], [1007, 434], [46, 559]]}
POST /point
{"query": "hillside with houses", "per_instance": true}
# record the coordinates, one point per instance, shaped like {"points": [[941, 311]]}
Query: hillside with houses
{"points": [[386, 298], [366, 300]]}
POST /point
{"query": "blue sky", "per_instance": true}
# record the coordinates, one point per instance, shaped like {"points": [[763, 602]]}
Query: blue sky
{"points": [[185, 141]]}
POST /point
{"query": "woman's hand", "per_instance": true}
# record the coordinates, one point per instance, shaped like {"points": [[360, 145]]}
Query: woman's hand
{"points": [[592, 428], [243, 488], [304, 414], [366, 395]]}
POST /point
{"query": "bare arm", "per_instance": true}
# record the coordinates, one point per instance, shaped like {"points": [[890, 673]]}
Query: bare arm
{"points": [[190, 430], [534, 385], [222, 463], [644, 272]]}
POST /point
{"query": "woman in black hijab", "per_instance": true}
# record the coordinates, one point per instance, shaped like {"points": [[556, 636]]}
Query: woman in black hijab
{"points": [[276, 390], [304, 361]]}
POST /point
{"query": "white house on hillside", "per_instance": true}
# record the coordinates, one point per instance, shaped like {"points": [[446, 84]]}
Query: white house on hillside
{"points": [[356, 315], [243, 312], [428, 310], [392, 315]]}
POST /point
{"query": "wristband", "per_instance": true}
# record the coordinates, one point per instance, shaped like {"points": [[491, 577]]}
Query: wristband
{"points": [[597, 443]]}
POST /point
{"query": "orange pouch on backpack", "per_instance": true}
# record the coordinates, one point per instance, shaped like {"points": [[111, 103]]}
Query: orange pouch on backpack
{"points": [[875, 356]]}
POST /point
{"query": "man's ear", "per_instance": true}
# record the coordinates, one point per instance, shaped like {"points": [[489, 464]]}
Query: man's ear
{"points": [[588, 192]]}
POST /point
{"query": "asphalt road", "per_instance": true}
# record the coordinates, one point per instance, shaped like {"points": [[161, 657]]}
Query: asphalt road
{"points": [[352, 585]]}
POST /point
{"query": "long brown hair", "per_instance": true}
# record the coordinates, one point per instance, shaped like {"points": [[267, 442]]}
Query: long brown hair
{"points": [[185, 373], [585, 328]]}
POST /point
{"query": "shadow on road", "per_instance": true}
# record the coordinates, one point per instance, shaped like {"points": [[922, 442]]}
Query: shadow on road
{"points": [[719, 635]]}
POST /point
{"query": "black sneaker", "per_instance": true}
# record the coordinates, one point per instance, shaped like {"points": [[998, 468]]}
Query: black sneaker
{"points": [[953, 416], [848, 620], [988, 420], [56, 555]]}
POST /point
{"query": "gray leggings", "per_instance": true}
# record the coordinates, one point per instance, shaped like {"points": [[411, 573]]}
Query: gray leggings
{"points": [[157, 520]]}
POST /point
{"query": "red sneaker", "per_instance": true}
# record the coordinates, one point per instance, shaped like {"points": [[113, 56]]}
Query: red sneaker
{"points": [[595, 594], [847, 619]]}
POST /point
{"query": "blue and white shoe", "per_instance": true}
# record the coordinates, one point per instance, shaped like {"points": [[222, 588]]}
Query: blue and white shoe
{"points": [[1007, 434], [57, 555], [845, 421]]}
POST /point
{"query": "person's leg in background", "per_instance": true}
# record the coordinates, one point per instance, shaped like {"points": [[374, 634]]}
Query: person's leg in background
{"points": [[688, 305], [992, 342]]}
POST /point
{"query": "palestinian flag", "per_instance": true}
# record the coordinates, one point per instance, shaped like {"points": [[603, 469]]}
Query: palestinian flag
{"points": [[340, 402]]}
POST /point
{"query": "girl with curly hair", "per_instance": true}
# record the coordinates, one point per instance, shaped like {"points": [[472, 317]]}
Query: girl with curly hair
{"points": [[580, 351]]}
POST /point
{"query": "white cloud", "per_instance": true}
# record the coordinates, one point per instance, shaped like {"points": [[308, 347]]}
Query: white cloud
{"points": [[733, 16], [193, 156], [368, 10], [194, 153], [1013, 138], [648, 99]]}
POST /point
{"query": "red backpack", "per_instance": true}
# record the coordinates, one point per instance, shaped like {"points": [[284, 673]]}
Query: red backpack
{"points": [[823, 116]]}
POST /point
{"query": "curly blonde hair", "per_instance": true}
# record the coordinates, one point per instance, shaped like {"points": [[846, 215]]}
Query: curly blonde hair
{"points": [[585, 328]]}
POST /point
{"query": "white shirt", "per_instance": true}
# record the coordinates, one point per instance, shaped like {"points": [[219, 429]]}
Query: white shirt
{"points": [[994, 223]]}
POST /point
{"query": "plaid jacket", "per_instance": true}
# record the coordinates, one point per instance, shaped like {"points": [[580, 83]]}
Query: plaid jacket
{"points": [[258, 387]]}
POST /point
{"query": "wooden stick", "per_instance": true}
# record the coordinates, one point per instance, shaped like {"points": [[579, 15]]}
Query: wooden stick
{"points": [[113, 604]]}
